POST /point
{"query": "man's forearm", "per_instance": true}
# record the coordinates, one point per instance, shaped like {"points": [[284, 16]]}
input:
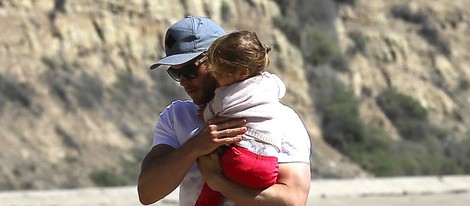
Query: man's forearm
{"points": [[292, 188], [271, 196], [163, 169]]}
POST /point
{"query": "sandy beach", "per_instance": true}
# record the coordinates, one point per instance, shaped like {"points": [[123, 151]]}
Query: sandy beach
{"points": [[404, 191]]}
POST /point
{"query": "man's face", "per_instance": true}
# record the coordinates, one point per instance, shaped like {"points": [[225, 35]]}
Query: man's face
{"points": [[200, 89]]}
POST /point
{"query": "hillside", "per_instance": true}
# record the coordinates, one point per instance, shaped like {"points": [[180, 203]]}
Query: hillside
{"points": [[78, 104]]}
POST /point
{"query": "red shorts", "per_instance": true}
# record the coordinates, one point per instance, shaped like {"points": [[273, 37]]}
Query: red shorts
{"points": [[249, 169], [245, 168]]}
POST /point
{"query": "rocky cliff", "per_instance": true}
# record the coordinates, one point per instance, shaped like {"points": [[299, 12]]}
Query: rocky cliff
{"points": [[78, 104], [415, 46]]}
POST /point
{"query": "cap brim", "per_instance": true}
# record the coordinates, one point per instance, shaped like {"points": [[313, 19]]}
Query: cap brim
{"points": [[175, 59]]}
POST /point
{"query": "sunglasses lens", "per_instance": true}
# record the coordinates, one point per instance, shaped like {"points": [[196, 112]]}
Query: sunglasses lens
{"points": [[174, 74], [188, 71]]}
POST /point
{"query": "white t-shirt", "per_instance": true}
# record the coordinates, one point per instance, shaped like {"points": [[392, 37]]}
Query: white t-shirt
{"points": [[180, 121]]}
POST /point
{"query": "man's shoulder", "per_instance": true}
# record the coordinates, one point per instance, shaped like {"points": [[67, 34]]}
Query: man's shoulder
{"points": [[180, 104], [296, 146], [288, 112], [179, 108]]}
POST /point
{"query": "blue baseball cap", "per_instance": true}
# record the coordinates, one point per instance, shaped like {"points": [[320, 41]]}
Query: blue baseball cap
{"points": [[187, 39]]}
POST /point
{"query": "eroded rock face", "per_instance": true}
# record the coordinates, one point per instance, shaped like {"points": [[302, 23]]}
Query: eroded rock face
{"points": [[77, 97], [416, 48]]}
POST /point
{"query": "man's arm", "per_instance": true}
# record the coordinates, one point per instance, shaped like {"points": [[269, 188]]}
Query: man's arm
{"points": [[161, 173], [164, 167], [292, 186]]}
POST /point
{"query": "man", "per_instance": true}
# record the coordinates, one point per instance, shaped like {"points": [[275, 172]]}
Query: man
{"points": [[182, 139]]}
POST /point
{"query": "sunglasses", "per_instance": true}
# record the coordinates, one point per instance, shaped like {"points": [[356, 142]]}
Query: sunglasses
{"points": [[189, 71]]}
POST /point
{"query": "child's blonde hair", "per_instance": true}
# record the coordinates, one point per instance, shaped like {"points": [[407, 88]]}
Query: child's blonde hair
{"points": [[239, 49]]}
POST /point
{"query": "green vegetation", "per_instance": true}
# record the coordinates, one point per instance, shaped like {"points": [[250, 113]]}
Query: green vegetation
{"points": [[407, 114], [14, 91], [428, 29], [320, 48], [360, 42], [459, 150], [71, 84], [424, 149], [343, 129], [309, 25], [127, 174], [225, 11], [350, 2], [420, 152], [107, 179], [289, 27]]}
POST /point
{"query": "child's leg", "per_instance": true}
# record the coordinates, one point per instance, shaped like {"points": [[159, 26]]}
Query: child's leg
{"points": [[208, 197]]}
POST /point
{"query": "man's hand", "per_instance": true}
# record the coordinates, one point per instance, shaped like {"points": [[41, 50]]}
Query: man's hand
{"points": [[219, 131], [164, 167]]}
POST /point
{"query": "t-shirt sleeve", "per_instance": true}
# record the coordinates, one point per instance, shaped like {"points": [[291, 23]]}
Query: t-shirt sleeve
{"points": [[296, 144], [164, 133]]}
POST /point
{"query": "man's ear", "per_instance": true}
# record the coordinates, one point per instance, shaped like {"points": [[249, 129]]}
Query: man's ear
{"points": [[244, 73]]}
